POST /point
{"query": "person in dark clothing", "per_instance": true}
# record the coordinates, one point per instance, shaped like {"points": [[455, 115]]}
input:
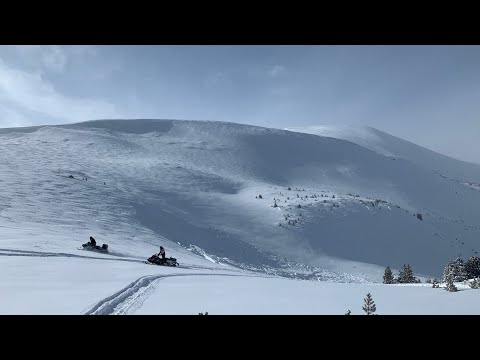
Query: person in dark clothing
{"points": [[92, 241], [162, 252]]}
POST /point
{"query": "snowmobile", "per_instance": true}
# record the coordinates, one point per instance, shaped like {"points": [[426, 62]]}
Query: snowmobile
{"points": [[157, 260], [89, 246]]}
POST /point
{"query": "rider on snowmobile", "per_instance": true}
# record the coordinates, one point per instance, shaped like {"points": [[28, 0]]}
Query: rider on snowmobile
{"points": [[162, 252]]}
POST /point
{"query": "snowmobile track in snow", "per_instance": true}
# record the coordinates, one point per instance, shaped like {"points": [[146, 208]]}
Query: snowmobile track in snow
{"points": [[29, 253], [13, 252], [131, 298]]}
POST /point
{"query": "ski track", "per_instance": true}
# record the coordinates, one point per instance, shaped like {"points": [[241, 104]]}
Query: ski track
{"points": [[131, 298]]}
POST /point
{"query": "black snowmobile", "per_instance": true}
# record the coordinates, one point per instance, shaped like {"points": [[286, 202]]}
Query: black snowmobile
{"points": [[89, 246], [157, 260]]}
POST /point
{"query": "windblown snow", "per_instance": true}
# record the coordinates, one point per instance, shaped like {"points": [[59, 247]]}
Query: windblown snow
{"points": [[261, 220]]}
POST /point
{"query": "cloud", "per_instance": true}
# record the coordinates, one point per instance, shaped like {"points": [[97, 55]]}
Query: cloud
{"points": [[83, 50], [276, 71], [24, 92], [52, 57], [11, 118]]}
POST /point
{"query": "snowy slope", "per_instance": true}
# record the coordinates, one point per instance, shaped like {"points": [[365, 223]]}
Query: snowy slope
{"points": [[193, 185], [392, 146], [194, 188], [53, 286], [224, 295]]}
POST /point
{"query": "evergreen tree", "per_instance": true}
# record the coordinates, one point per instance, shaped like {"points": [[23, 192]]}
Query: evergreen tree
{"points": [[435, 283], [457, 269], [369, 305], [450, 285], [388, 276], [406, 275], [348, 312], [472, 267]]}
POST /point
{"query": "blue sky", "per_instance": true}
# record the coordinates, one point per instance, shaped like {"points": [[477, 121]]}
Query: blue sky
{"points": [[429, 95]]}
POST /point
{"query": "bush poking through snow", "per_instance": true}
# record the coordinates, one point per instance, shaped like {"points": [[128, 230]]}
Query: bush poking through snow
{"points": [[475, 284]]}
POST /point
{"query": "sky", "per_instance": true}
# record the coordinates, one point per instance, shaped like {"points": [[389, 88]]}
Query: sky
{"points": [[429, 95]]}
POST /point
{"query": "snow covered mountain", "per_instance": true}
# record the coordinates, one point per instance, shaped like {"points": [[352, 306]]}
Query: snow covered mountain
{"points": [[230, 198], [392, 146], [197, 183]]}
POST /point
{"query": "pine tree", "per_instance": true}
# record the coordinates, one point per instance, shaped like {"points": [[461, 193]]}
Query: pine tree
{"points": [[457, 269], [406, 275], [388, 276], [369, 305], [435, 284], [472, 267], [450, 285]]}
